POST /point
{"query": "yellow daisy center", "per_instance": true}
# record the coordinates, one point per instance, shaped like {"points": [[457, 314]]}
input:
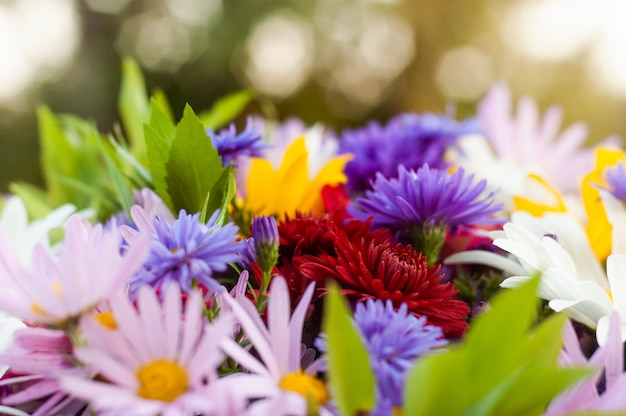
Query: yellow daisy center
{"points": [[305, 385], [107, 320], [162, 380]]}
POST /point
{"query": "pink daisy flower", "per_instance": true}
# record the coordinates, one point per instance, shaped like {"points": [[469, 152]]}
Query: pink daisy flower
{"points": [[282, 381], [56, 290], [608, 360], [153, 360], [529, 146]]}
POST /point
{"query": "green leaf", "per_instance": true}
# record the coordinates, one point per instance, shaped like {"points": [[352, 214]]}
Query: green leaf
{"points": [[122, 188], [219, 197], [501, 367], [161, 99], [226, 109], [193, 165], [161, 122], [350, 376], [158, 151], [57, 155], [133, 106]]}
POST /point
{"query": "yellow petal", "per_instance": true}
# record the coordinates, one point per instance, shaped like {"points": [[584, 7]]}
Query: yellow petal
{"points": [[537, 209]]}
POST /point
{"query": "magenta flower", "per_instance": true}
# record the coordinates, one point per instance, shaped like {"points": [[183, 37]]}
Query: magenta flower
{"points": [[156, 359], [41, 356]]}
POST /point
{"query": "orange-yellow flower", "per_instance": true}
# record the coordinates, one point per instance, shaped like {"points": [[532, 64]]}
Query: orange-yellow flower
{"points": [[290, 188]]}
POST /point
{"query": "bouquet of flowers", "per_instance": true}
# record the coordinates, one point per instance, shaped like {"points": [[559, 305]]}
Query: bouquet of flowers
{"points": [[422, 266]]}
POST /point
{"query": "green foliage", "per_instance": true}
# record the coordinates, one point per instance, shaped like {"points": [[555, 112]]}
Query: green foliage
{"points": [[226, 109], [72, 165], [134, 106], [82, 167], [158, 135], [503, 367], [193, 165], [350, 375], [219, 197]]}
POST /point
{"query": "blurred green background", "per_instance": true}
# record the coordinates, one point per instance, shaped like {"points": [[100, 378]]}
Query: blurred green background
{"points": [[340, 62]]}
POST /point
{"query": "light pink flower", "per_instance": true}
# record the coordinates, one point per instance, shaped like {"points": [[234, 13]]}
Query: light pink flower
{"points": [[156, 361], [608, 360], [533, 142], [279, 347], [60, 288]]}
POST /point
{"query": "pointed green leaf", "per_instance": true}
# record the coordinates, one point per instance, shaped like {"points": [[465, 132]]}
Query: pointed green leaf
{"points": [[350, 375], [226, 109], [141, 175], [193, 165], [161, 99], [57, 155], [120, 183], [220, 196], [158, 151], [161, 122], [133, 106], [496, 365]]}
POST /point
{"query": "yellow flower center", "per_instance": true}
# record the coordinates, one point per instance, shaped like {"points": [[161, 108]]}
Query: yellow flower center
{"points": [[107, 320], [162, 380], [397, 411], [305, 385]]}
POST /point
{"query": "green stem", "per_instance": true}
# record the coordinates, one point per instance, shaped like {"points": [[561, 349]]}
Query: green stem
{"points": [[429, 240]]}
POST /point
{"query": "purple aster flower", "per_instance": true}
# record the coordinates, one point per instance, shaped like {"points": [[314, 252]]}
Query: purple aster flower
{"points": [[426, 198], [188, 250], [247, 256], [231, 145], [615, 177], [408, 139], [265, 234], [394, 339]]}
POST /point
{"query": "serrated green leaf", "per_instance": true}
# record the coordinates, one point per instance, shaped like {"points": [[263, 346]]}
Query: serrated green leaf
{"points": [[226, 109], [133, 106], [351, 379], [193, 165]]}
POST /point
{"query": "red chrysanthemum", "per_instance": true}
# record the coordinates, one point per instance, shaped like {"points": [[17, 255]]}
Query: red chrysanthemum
{"points": [[369, 269], [306, 235]]}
